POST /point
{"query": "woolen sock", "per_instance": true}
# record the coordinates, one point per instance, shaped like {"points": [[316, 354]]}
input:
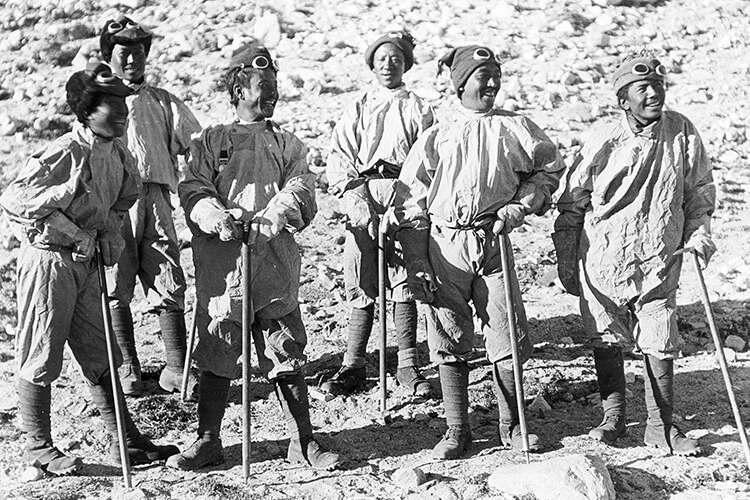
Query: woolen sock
{"points": [[405, 320], [360, 326], [173, 334], [454, 380]]}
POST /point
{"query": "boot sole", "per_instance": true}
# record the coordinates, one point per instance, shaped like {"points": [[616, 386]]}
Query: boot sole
{"points": [[218, 461], [693, 453]]}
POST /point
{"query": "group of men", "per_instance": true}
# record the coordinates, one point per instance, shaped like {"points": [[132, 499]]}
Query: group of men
{"points": [[639, 193]]}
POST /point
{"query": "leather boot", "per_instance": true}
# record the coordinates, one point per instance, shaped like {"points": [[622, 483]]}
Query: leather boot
{"points": [[346, 381], [659, 394], [303, 448], [34, 403], [508, 429], [213, 393], [454, 381], [173, 334], [130, 371], [405, 320], [140, 449], [610, 373]]}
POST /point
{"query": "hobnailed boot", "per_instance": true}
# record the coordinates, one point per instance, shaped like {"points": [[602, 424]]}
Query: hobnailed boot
{"points": [[303, 448], [140, 448], [130, 371], [34, 403], [213, 393], [405, 320], [454, 381], [346, 381], [659, 394], [173, 334], [508, 428], [610, 373]]}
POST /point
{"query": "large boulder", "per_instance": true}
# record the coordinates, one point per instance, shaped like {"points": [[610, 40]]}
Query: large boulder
{"points": [[572, 477]]}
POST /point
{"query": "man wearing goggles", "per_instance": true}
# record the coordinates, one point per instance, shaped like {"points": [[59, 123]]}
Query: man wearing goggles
{"points": [[639, 193], [463, 183], [159, 129], [67, 199], [249, 180], [368, 147]]}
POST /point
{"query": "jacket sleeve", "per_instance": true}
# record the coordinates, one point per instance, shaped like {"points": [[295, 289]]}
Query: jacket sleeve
{"points": [[341, 165], [413, 185], [132, 185], [536, 188], [198, 196], [700, 191], [297, 181], [47, 182], [183, 125]]}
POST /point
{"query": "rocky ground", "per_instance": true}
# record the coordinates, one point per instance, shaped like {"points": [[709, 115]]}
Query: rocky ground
{"points": [[557, 58]]}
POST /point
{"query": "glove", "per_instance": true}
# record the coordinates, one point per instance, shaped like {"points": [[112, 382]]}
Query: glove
{"points": [[360, 211], [232, 224], [84, 247], [288, 203], [420, 277], [509, 217], [268, 224], [566, 248], [111, 244], [702, 244]]}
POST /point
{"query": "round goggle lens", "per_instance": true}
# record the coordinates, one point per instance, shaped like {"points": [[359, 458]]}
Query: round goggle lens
{"points": [[481, 54], [114, 27]]}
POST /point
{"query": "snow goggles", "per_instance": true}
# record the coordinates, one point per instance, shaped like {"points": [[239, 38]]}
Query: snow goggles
{"points": [[116, 26], [260, 62], [642, 69]]}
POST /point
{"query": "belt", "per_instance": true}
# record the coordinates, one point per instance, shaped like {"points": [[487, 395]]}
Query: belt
{"points": [[476, 224]]}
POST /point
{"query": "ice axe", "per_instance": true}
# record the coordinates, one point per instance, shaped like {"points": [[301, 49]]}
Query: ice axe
{"points": [[247, 321], [512, 330], [720, 355], [114, 378], [382, 269], [189, 352]]}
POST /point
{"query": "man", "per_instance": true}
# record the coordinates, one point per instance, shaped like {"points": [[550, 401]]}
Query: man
{"points": [[159, 129], [464, 182], [67, 199], [249, 179], [639, 194], [368, 147]]}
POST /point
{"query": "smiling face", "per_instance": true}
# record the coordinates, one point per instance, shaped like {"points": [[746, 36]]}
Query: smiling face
{"points": [[110, 117], [257, 100], [129, 61], [644, 101], [389, 64], [481, 88]]}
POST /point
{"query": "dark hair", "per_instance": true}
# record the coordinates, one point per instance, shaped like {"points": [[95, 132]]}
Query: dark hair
{"points": [[107, 40], [82, 99], [622, 94], [239, 76]]}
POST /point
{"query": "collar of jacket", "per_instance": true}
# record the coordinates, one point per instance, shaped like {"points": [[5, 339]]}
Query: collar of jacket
{"points": [[650, 131], [86, 137]]}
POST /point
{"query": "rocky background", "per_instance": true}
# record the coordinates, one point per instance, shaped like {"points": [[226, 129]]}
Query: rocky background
{"points": [[557, 58]]}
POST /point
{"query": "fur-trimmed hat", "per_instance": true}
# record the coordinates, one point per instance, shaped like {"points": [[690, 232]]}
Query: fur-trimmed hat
{"points": [[123, 31], [84, 86]]}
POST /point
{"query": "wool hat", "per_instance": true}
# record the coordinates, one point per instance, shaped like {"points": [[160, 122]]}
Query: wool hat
{"points": [[253, 55], [123, 31], [463, 61], [83, 87], [401, 39], [637, 69]]}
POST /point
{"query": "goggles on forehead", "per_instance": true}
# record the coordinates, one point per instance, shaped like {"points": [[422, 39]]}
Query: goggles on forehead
{"points": [[117, 26], [482, 54], [642, 69], [260, 62]]}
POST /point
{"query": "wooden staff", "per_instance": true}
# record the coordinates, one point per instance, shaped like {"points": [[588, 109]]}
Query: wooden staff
{"points": [[720, 355], [512, 330], [114, 378]]}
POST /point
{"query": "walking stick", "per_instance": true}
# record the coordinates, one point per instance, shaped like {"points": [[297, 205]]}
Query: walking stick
{"points": [[382, 227], [247, 321], [517, 375], [189, 353], [720, 354], [114, 379]]}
